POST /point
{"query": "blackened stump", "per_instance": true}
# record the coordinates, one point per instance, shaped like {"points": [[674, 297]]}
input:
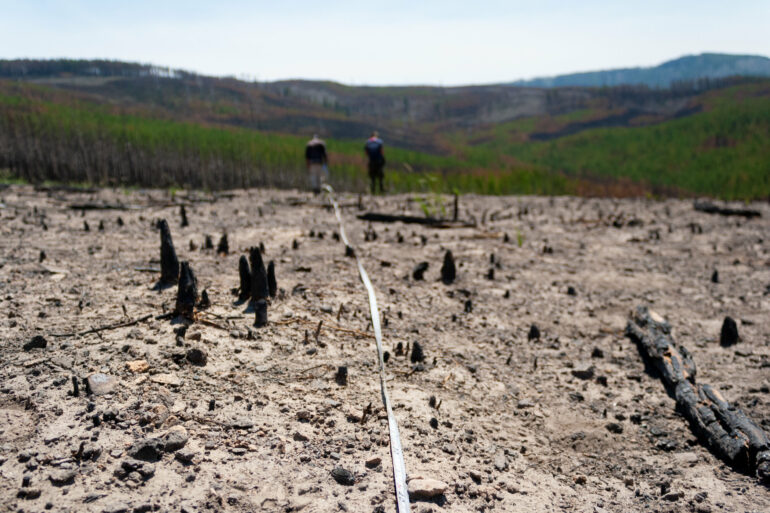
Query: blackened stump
{"points": [[715, 276], [258, 275], [448, 269], [419, 271], [205, 302], [223, 247], [534, 333], [342, 376], [245, 273], [208, 243], [729, 333], [187, 292], [272, 285], [183, 213], [260, 313], [169, 265], [417, 353]]}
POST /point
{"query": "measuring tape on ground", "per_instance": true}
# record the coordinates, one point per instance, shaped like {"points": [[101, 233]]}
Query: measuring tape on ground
{"points": [[396, 452]]}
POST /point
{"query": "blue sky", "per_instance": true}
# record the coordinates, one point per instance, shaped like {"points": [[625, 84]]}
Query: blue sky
{"points": [[394, 42]]}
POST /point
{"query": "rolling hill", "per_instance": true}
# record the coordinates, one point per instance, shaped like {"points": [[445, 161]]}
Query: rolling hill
{"points": [[703, 67], [120, 123]]}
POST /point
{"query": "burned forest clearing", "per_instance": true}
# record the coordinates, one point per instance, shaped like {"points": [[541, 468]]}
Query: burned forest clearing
{"points": [[514, 383]]}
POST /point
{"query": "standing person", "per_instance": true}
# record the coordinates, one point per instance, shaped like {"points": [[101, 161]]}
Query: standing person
{"points": [[374, 150], [315, 157]]}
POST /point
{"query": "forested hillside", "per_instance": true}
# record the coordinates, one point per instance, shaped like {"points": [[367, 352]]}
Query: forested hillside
{"points": [[123, 124]]}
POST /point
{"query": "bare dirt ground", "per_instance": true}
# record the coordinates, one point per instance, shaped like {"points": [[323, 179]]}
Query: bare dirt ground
{"points": [[263, 423]]}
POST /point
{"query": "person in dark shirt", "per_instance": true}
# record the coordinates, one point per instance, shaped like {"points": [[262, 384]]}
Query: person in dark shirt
{"points": [[374, 150], [315, 157]]}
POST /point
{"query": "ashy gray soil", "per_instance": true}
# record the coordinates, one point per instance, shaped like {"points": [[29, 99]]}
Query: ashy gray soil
{"points": [[228, 417]]}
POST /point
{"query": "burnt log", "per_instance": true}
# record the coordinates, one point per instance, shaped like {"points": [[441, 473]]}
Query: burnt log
{"points": [[272, 285], [427, 221], [223, 247], [726, 430], [187, 291], [448, 269], [259, 288], [712, 208], [169, 264], [245, 274]]}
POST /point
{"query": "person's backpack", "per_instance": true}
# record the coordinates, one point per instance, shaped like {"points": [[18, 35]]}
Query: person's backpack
{"points": [[373, 149]]}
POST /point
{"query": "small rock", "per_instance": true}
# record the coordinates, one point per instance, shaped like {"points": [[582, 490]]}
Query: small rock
{"points": [[36, 342], [343, 476], [673, 496], [580, 479], [175, 438], [300, 437], [147, 449], [426, 488], [524, 403], [500, 461], [373, 462], [197, 356], [145, 470], [242, 423], [137, 366], [614, 427], [729, 334], [100, 384], [185, 456], [28, 493], [171, 380], [585, 373], [62, 477]]}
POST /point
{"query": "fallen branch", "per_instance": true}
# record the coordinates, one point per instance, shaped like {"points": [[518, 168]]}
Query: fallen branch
{"points": [[711, 208], [428, 221], [725, 429], [104, 206], [104, 328]]}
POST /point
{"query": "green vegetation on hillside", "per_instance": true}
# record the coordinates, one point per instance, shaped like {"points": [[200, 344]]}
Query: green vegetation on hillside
{"points": [[718, 150]]}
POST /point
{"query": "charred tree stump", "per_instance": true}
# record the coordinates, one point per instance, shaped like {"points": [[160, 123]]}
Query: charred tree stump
{"points": [[223, 247], [183, 214], [208, 242], [419, 271], [187, 292], [205, 301], [272, 285], [245, 273], [448, 269], [260, 313], [169, 264], [259, 288], [456, 210], [725, 429], [729, 333]]}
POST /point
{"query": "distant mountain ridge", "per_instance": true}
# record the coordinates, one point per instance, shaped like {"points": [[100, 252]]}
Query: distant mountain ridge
{"points": [[705, 66]]}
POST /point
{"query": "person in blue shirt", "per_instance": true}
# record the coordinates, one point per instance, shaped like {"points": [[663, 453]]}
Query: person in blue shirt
{"points": [[374, 150]]}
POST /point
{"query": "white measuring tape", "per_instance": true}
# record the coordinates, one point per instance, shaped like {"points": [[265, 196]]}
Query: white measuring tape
{"points": [[396, 452]]}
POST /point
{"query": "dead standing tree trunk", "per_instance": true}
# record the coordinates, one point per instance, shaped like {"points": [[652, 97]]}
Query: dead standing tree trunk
{"points": [[187, 292], [169, 264], [726, 430], [245, 274], [259, 287]]}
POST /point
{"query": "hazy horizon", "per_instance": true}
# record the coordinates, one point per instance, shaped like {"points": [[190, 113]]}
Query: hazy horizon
{"points": [[436, 43]]}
